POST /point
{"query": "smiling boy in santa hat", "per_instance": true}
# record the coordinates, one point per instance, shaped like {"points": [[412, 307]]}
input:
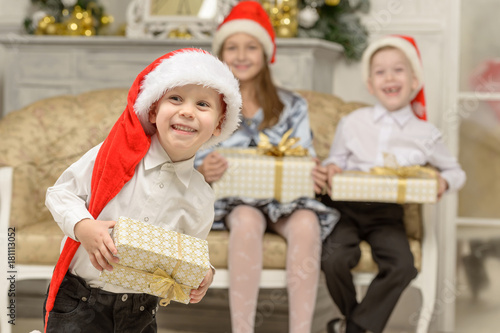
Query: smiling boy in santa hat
{"points": [[396, 126], [184, 100]]}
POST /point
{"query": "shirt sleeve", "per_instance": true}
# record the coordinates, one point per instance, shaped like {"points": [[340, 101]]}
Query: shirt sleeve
{"points": [[204, 209], [68, 199], [441, 158], [299, 120], [338, 150]]}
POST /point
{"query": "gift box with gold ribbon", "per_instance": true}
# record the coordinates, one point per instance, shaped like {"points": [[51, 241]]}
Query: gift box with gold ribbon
{"points": [[411, 184], [157, 261], [282, 172]]}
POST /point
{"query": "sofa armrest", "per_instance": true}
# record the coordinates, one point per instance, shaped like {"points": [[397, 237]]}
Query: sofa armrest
{"points": [[6, 175], [5, 202]]}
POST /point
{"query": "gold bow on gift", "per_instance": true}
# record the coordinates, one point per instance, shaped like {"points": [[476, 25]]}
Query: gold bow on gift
{"points": [[165, 286], [284, 147], [404, 172]]}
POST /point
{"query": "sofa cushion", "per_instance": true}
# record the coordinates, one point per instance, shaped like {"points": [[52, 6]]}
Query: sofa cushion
{"points": [[274, 249], [274, 252], [38, 244], [44, 138]]}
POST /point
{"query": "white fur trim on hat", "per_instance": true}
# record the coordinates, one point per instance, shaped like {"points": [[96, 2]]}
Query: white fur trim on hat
{"points": [[191, 67], [247, 26], [402, 44]]}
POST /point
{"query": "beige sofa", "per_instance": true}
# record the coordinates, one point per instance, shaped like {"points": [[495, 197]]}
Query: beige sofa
{"points": [[40, 141]]}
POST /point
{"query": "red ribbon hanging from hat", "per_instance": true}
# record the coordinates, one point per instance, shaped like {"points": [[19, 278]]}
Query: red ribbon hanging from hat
{"points": [[418, 104]]}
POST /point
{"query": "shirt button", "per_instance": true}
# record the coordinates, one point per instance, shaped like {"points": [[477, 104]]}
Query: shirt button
{"points": [[146, 219], [124, 297], [161, 185], [141, 308], [84, 299]]}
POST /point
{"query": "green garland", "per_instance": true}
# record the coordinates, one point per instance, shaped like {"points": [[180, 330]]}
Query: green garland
{"points": [[341, 24]]}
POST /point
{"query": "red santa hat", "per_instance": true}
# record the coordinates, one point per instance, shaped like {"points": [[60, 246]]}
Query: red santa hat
{"points": [[130, 138], [408, 46], [190, 67], [248, 17]]}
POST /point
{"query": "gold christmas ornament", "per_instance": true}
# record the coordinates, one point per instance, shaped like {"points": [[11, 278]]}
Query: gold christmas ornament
{"points": [[332, 2], [180, 33], [283, 15]]}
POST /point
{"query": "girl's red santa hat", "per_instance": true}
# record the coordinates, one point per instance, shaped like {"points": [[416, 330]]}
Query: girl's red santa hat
{"points": [[408, 46], [248, 17], [130, 138]]}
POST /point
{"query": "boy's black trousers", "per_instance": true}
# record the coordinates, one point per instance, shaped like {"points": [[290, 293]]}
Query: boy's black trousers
{"points": [[382, 226], [79, 308]]}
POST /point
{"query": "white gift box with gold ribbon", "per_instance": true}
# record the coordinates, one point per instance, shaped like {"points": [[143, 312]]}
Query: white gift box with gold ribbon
{"points": [[403, 185], [157, 261], [262, 177]]}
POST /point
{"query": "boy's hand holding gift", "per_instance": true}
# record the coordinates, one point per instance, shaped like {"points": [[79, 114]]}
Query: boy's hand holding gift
{"points": [[442, 185], [322, 176], [197, 295], [95, 238]]}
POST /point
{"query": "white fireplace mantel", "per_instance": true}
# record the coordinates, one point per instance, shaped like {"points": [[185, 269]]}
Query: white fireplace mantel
{"points": [[37, 67]]}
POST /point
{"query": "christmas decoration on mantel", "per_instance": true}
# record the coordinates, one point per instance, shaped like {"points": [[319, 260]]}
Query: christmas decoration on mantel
{"points": [[337, 21], [333, 20], [66, 17]]}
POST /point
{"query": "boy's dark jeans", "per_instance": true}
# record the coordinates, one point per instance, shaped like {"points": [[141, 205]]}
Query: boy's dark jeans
{"points": [[382, 226], [79, 308]]}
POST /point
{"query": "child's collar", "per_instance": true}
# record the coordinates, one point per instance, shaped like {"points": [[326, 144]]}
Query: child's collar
{"points": [[401, 116], [157, 156]]}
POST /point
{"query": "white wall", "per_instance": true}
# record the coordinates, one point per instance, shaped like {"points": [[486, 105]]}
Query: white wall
{"points": [[11, 18]]}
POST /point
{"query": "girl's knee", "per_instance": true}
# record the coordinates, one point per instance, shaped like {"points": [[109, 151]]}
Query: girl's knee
{"points": [[304, 223], [246, 219]]}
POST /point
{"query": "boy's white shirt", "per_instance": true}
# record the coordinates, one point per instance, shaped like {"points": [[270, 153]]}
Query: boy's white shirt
{"points": [[172, 195], [363, 136]]}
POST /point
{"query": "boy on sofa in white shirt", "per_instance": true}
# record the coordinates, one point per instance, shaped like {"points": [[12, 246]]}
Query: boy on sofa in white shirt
{"points": [[394, 127]]}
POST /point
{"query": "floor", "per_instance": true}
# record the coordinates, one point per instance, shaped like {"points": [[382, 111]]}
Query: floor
{"points": [[475, 312]]}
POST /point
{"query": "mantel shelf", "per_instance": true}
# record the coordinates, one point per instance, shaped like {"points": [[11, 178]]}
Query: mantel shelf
{"points": [[43, 66], [10, 40]]}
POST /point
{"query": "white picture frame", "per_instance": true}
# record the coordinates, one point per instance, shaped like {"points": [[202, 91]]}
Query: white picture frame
{"points": [[164, 18]]}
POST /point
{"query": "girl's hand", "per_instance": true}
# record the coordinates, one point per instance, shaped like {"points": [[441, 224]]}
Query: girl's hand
{"points": [[323, 177], [319, 175], [213, 167], [442, 186], [95, 238], [198, 294]]}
